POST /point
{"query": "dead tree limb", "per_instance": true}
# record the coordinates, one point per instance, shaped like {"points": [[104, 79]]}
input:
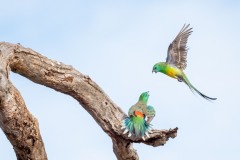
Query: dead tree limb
{"points": [[21, 128]]}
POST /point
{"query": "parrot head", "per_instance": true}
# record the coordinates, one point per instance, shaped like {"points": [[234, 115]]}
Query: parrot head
{"points": [[144, 96], [157, 67]]}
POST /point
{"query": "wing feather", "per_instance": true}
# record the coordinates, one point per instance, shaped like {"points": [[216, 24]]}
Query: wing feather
{"points": [[177, 50]]}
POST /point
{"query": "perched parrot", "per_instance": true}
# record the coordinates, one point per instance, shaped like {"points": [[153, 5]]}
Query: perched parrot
{"points": [[136, 123], [176, 60]]}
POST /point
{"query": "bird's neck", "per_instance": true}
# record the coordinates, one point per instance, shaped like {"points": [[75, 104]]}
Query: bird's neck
{"points": [[143, 100], [163, 67]]}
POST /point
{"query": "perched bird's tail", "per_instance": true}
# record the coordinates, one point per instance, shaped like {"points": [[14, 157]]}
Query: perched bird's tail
{"points": [[136, 125], [192, 88]]}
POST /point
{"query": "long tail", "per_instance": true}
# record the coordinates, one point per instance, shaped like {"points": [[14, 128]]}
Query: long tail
{"points": [[192, 88], [136, 126]]}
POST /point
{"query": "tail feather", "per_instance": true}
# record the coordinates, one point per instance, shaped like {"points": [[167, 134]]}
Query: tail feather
{"points": [[192, 88], [136, 126]]}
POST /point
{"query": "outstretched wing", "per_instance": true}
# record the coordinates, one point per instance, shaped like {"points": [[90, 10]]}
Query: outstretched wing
{"points": [[177, 50]]}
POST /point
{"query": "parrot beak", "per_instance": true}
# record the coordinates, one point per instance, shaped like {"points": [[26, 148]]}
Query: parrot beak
{"points": [[154, 71]]}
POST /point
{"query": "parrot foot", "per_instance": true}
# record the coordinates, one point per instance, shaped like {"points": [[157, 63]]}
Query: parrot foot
{"points": [[179, 79]]}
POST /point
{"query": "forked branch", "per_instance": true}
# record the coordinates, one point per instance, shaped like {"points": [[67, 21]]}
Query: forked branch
{"points": [[21, 128]]}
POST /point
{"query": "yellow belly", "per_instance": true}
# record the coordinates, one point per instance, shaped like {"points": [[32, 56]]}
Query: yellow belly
{"points": [[173, 72]]}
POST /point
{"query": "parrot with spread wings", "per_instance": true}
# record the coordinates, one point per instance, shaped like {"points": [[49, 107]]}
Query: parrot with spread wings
{"points": [[136, 123], [176, 60]]}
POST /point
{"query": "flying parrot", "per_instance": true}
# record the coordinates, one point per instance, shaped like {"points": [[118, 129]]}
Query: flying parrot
{"points": [[136, 123], [176, 60]]}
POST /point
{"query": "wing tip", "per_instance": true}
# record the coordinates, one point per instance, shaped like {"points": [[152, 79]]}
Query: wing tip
{"points": [[185, 28]]}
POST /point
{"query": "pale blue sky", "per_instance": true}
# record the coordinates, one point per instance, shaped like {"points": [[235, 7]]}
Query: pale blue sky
{"points": [[116, 43]]}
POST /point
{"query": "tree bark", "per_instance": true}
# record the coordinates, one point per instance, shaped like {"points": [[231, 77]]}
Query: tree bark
{"points": [[21, 128]]}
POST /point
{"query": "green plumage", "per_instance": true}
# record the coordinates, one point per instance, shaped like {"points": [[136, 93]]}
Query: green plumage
{"points": [[176, 60], [136, 123], [141, 105]]}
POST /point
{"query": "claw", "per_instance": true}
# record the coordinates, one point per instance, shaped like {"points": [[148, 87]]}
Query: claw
{"points": [[179, 79], [143, 138]]}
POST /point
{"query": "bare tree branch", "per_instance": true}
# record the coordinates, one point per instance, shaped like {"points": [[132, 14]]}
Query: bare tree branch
{"points": [[123, 149], [65, 79], [20, 127]]}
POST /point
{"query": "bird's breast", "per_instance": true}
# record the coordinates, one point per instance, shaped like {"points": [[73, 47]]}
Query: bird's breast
{"points": [[139, 114], [173, 71]]}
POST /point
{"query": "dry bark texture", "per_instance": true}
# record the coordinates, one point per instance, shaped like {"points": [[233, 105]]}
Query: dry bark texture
{"points": [[22, 129]]}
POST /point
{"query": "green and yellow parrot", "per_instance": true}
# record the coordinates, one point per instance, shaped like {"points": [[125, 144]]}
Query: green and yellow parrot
{"points": [[176, 60], [136, 123]]}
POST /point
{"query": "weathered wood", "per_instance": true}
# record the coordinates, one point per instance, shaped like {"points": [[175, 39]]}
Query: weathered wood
{"points": [[65, 79], [20, 127]]}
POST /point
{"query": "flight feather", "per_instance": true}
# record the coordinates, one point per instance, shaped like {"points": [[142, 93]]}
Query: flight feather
{"points": [[177, 50]]}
